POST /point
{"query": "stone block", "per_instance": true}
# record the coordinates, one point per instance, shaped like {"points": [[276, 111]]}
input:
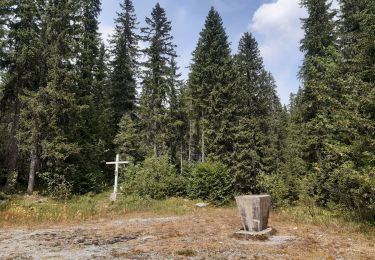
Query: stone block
{"points": [[254, 211]]}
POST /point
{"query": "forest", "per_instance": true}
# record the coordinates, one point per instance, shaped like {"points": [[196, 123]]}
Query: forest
{"points": [[69, 103]]}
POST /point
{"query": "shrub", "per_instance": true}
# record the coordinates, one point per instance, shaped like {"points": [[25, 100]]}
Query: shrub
{"points": [[155, 178], [212, 182], [56, 186], [354, 190], [278, 187]]}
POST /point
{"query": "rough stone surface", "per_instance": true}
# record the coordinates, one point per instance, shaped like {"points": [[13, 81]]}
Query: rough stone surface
{"points": [[201, 205], [254, 211], [266, 233]]}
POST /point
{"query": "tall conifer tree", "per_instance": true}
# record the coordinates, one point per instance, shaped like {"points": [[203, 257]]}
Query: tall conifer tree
{"points": [[125, 61], [24, 71], [156, 88], [58, 104], [318, 97], [257, 140], [324, 117], [211, 84]]}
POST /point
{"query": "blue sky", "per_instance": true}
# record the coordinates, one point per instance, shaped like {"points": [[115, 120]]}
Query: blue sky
{"points": [[274, 23]]}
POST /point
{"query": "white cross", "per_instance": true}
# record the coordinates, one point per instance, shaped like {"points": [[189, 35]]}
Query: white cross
{"points": [[116, 163]]}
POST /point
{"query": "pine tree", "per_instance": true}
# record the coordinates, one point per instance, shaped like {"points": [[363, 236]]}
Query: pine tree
{"points": [[5, 13], [354, 174], [211, 84], [58, 103], [258, 139], [125, 64], [89, 44], [24, 71], [325, 114], [177, 117], [5, 10], [318, 99], [128, 139], [102, 99], [156, 90]]}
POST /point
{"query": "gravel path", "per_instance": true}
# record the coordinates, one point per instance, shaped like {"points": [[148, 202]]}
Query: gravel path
{"points": [[204, 235]]}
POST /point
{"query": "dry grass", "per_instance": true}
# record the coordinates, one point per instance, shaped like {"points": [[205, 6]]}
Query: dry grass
{"points": [[35, 210], [201, 233]]}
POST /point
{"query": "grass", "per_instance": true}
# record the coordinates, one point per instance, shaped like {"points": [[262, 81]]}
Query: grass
{"points": [[186, 252], [326, 218], [35, 210]]}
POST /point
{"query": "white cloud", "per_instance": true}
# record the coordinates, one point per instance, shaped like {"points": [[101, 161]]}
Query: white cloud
{"points": [[277, 27], [106, 31]]}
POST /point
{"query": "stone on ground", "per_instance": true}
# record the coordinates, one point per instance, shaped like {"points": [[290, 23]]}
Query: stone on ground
{"points": [[254, 211]]}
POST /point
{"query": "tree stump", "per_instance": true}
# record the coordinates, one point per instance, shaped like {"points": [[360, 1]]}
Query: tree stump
{"points": [[254, 211]]}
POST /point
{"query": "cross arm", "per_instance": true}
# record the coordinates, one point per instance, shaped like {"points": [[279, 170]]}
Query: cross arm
{"points": [[121, 162]]}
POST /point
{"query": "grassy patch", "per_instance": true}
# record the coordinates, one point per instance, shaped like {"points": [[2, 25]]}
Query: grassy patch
{"points": [[186, 252], [34, 210], [323, 217]]}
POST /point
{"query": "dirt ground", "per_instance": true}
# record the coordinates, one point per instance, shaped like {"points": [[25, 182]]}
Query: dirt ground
{"points": [[207, 234]]}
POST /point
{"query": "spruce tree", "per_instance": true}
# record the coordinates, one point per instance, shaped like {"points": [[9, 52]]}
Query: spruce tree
{"points": [[24, 73], [129, 140], [102, 99], [57, 101], [177, 117], [89, 44], [157, 69], [258, 139], [89, 96], [325, 99], [124, 49], [354, 174], [211, 83], [318, 97], [5, 11]]}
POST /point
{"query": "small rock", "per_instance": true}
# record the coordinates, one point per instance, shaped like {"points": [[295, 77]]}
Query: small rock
{"points": [[146, 238], [295, 228], [201, 205], [41, 200], [81, 240]]}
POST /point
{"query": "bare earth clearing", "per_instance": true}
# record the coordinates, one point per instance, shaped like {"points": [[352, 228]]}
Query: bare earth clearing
{"points": [[203, 235]]}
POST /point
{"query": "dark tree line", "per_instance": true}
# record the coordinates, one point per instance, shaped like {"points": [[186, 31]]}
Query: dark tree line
{"points": [[67, 103]]}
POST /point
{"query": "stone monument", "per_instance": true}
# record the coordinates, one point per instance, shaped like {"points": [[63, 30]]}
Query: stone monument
{"points": [[254, 211]]}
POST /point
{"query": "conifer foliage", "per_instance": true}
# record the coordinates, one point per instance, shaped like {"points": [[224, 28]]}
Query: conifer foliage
{"points": [[125, 54], [211, 86], [259, 112], [156, 90]]}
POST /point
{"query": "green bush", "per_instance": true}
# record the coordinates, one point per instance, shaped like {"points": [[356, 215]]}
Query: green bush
{"points": [[283, 191], [212, 182], [56, 186], [155, 178], [354, 190]]}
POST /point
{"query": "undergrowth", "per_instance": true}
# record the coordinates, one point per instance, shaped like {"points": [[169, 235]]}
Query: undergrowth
{"points": [[325, 218], [36, 210]]}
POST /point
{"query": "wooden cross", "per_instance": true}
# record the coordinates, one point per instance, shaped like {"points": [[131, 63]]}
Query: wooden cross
{"points": [[117, 164]]}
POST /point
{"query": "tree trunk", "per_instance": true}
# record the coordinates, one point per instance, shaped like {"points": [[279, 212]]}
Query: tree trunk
{"points": [[203, 155], [13, 149], [155, 150], [190, 139], [181, 159], [34, 161]]}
